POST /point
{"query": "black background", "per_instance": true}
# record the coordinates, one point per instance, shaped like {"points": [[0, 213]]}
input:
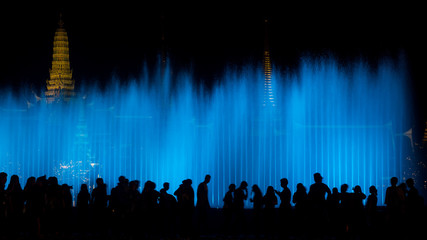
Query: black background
{"points": [[118, 38]]}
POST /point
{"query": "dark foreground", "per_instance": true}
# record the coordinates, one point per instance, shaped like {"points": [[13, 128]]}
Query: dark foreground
{"points": [[253, 226]]}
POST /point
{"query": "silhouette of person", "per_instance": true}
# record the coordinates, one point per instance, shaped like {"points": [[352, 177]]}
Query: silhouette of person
{"points": [[228, 208], [257, 198], [414, 201], [3, 180], [345, 208], [316, 196], [29, 199], [394, 200], [119, 205], [3, 202], [345, 198], [285, 209], [240, 195], [334, 198], [99, 202], [229, 197], [67, 197], [15, 204], [165, 200], [404, 190], [150, 196], [149, 200], [167, 204], [15, 197], [333, 209], [99, 195], [53, 205], [83, 199], [39, 205], [414, 204], [185, 196], [300, 199], [114, 198], [66, 206], [358, 211], [202, 193], [257, 201], [318, 191], [28, 188], [285, 195], [358, 197], [134, 199], [269, 201], [202, 204], [371, 208]]}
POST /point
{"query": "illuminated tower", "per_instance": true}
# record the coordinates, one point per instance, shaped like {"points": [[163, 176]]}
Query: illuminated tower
{"points": [[268, 90], [60, 85]]}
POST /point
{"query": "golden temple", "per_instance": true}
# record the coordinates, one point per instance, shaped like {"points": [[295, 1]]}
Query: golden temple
{"points": [[60, 85]]}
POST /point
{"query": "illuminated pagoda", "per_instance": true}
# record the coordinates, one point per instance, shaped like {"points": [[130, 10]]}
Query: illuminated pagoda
{"points": [[268, 90], [60, 85]]}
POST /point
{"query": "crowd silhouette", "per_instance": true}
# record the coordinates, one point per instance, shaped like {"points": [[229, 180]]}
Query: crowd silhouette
{"points": [[44, 209]]}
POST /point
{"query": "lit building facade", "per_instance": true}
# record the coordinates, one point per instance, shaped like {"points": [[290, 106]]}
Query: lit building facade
{"points": [[60, 85]]}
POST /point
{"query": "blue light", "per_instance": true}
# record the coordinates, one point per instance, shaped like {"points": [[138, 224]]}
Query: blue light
{"points": [[345, 123]]}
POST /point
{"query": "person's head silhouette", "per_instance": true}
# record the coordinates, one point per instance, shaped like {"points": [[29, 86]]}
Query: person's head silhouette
{"points": [[394, 181], [270, 190], [284, 182], [357, 189], [344, 188], [334, 190], [410, 182], [187, 182], [99, 182], [301, 188], [373, 190], [166, 186], [3, 178], [207, 178], [317, 178], [256, 189], [83, 188]]}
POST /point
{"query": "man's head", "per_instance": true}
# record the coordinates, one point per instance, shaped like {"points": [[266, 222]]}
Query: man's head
{"points": [[284, 182], [122, 179], [207, 178], [410, 182], [394, 181], [3, 178], [317, 178], [344, 188]]}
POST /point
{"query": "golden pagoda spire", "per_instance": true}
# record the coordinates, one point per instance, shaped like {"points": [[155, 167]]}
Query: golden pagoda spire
{"points": [[268, 90], [60, 23], [60, 85]]}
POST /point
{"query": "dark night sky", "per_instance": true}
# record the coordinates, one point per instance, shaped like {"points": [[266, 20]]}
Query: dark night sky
{"points": [[118, 38]]}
